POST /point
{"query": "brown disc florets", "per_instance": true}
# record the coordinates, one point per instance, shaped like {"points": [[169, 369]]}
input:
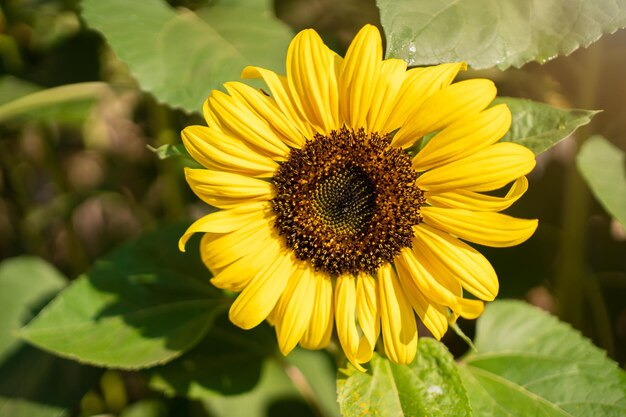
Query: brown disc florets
{"points": [[347, 202]]}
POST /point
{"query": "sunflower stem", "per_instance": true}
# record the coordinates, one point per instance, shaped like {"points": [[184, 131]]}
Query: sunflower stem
{"points": [[463, 336], [303, 386], [572, 272]]}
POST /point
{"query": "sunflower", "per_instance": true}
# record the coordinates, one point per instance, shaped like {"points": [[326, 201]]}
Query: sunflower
{"points": [[346, 193]]}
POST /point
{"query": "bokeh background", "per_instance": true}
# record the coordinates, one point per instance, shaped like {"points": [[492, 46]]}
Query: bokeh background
{"points": [[78, 178]]}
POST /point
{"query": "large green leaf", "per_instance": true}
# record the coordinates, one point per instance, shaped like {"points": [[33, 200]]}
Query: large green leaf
{"points": [[33, 383], [227, 362], [603, 165], [530, 364], [539, 126], [141, 306], [179, 56], [25, 283], [237, 373], [486, 33], [430, 386]]}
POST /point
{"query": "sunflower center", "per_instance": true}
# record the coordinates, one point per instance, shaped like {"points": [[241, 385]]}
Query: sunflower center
{"points": [[347, 202]]}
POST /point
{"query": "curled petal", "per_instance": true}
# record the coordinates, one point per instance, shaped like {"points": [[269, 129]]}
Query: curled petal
{"points": [[227, 190], [218, 151], [452, 103], [452, 257], [464, 137], [225, 221], [442, 289], [485, 228], [485, 170], [419, 84], [469, 200]]}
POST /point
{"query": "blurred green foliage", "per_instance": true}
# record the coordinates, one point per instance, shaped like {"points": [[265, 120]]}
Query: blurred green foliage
{"points": [[77, 180]]}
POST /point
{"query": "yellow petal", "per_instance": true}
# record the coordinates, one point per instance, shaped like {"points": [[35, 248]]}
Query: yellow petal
{"points": [[484, 228], [358, 75], [282, 96], [441, 288], [210, 117], [433, 315], [219, 250], [469, 200], [225, 221], [486, 170], [236, 119], [470, 309], [319, 331], [225, 189], [397, 317], [368, 315], [298, 309], [311, 76], [464, 137], [267, 109], [345, 320], [237, 275], [392, 74], [444, 107], [419, 84], [455, 258], [256, 301], [218, 151]]}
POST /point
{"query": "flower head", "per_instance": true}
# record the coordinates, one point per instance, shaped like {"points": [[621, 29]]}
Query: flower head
{"points": [[335, 214]]}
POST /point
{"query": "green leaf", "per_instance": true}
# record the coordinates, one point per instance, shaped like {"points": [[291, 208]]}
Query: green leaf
{"points": [[25, 283], [33, 383], [430, 386], [141, 306], [486, 33], [37, 384], [179, 56], [603, 165], [169, 151], [530, 364], [178, 151], [539, 126], [226, 362], [65, 103], [320, 372], [236, 373], [274, 385]]}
